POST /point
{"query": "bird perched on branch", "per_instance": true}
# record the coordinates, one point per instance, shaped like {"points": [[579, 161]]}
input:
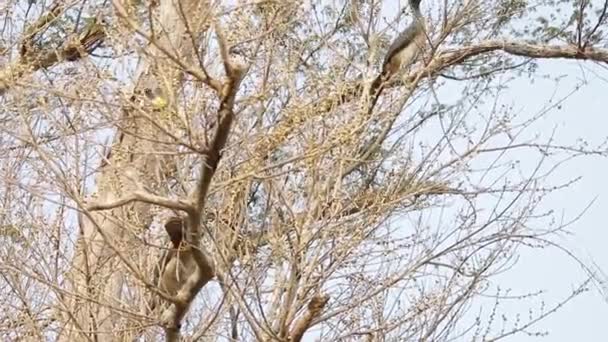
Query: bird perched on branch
{"points": [[176, 263], [406, 47]]}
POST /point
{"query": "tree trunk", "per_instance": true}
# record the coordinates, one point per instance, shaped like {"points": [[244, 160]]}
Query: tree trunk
{"points": [[94, 308]]}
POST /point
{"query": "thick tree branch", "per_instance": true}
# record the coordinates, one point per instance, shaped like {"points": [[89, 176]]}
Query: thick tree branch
{"points": [[33, 60], [205, 270], [447, 59], [315, 307], [235, 74], [450, 58], [144, 197]]}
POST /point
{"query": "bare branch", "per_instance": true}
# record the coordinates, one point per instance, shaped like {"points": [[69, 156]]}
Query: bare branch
{"points": [[600, 20], [450, 58], [33, 60], [144, 197], [205, 270], [315, 307]]}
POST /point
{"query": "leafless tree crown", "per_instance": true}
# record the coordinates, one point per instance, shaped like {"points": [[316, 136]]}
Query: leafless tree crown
{"points": [[278, 170]]}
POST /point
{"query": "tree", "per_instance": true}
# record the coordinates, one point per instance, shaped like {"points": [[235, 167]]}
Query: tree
{"points": [[315, 196]]}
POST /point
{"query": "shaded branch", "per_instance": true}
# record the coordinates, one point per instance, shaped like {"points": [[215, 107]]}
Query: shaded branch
{"points": [[212, 155], [32, 60], [235, 74], [36, 27], [600, 20], [316, 305]]}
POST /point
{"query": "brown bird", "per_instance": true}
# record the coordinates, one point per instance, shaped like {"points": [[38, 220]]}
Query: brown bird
{"points": [[177, 263], [406, 47]]}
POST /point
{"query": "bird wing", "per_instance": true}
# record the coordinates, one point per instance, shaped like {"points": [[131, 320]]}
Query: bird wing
{"points": [[403, 39]]}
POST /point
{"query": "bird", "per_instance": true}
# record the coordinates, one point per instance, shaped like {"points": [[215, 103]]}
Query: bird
{"points": [[156, 99], [406, 47], [176, 263]]}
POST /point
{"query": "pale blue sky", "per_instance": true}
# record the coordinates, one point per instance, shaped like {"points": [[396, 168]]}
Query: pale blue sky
{"points": [[582, 116]]}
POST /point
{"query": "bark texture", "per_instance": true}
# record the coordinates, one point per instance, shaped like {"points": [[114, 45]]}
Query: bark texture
{"points": [[135, 163]]}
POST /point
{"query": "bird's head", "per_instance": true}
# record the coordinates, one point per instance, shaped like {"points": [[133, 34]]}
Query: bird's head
{"points": [[415, 5], [175, 228]]}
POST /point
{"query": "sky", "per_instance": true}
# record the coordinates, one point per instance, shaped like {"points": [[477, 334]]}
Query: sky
{"points": [[583, 115]]}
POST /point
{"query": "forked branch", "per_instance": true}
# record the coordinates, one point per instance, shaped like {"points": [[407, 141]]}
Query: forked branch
{"points": [[211, 158]]}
